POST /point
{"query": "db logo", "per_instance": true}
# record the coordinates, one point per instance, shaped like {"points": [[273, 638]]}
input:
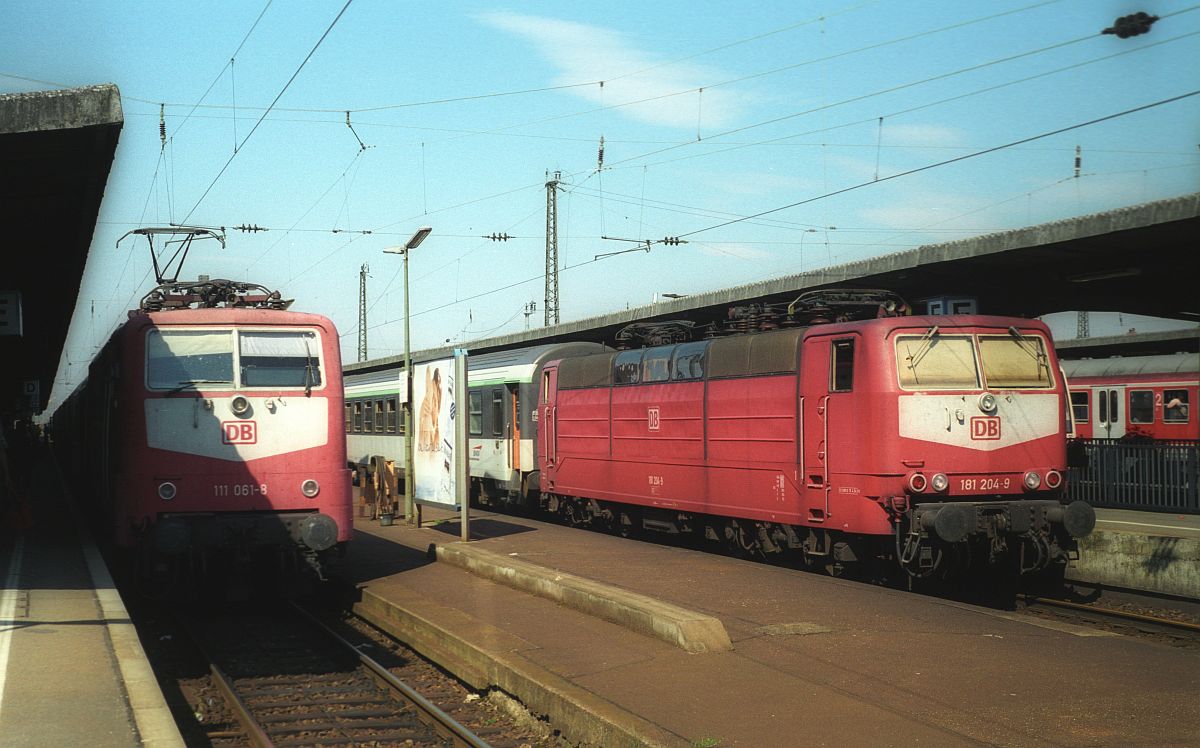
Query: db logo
{"points": [[652, 419], [239, 432], [985, 427]]}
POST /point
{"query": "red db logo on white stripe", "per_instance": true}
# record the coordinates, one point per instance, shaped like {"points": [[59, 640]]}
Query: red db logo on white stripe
{"points": [[239, 432]]}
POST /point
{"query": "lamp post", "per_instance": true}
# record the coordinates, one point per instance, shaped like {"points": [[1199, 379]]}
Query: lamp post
{"points": [[409, 478]]}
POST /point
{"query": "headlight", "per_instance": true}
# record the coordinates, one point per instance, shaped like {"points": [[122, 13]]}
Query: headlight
{"points": [[1033, 481], [939, 482], [239, 405], [917, 482], [310, 488], [987, 402], [166, 491]]}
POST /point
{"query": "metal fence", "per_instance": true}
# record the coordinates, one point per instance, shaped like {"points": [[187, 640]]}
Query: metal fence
{"points": [[1152, 476]]}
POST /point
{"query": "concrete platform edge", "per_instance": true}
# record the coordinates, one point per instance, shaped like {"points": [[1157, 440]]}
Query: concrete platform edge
{"points": [[155, 725], [580, 715], [690, 631], [1137, 561]]}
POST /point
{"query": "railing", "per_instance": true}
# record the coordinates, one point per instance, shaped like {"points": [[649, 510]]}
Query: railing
{"points": [[1161, 476]]}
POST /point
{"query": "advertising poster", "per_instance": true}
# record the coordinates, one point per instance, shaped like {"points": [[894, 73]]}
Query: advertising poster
{"points": [[433, 411]]}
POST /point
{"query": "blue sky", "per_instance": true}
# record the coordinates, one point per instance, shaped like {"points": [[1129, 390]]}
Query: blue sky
{"points": [[708, 115]]}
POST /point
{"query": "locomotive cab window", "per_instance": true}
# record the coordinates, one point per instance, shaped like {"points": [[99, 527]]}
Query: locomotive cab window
{"points": [[841, 366], [1015, 360], [1175, 406], [936, 361], [280, 359], [177, 359], [1141, 406]]}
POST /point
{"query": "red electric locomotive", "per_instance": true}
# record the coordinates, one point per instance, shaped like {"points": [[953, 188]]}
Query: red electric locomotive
{"points": [[933, 441], [209, 433], [1144, 397]]}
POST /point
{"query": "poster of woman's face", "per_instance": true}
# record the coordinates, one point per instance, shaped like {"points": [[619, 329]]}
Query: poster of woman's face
{"points": [[433, 397]]}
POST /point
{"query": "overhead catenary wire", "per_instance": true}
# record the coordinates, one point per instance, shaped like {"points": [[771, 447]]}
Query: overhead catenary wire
{"points": [[267, 111]]}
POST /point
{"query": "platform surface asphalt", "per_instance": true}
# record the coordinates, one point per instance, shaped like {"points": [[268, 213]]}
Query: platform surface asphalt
{"points": [[72, 670], [815, 660]]}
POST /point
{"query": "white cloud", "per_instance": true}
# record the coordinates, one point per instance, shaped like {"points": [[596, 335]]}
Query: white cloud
{"points": [[922, 135], [583, 53]]}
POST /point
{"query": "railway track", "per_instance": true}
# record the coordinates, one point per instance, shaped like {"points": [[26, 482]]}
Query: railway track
{"points": [[290, 680], [1151, 619]]}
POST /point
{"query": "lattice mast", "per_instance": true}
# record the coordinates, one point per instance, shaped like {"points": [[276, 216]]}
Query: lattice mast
{"points": [[551, 305], [362, 311]]}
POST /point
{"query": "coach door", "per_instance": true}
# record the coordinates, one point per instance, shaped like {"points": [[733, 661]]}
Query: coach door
{"points": [[546, 441], [1109, 409], [514, 432]]}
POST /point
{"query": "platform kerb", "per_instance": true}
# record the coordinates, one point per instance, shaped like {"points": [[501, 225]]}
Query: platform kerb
{"points": [[690, 631], [482, 656]]}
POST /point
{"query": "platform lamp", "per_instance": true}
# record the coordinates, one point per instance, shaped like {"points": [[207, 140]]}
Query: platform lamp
{"points": [[409, 478]]}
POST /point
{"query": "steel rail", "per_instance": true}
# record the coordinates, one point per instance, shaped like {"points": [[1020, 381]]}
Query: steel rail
{"points": [[445, 725], [1112, 613]]}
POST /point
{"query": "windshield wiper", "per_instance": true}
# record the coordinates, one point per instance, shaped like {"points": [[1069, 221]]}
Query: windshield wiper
{"points": [[193, 382], [927, 343], [308, 370]]}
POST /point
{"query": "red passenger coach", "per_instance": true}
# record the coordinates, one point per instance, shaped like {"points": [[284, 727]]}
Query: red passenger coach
{"points": [[1136, 397], [933, 441], [207, 436]]}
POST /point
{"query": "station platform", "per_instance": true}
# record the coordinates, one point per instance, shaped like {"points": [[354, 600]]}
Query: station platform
{"points": [[72, 670], [592, 631], [1156, 552]]}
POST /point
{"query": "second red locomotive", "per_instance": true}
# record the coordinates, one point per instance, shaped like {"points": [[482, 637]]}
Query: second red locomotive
{"points": [[933, 441]]}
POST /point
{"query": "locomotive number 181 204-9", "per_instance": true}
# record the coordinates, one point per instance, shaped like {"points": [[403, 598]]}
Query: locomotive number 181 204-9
{"points": [[985, 484]]}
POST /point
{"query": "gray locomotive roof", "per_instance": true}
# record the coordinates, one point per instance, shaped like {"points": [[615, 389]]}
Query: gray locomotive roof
{"points": [[534, 355], [1172, 363]]}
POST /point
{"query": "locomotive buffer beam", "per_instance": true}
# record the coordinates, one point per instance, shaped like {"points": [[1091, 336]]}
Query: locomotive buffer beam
{"points": [[955, 522]]}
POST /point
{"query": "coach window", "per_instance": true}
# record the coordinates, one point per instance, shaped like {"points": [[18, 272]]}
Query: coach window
{"points": [[368, 417], [1079, 407], [177, 358], [349, 418], [1141, 406], [391, 415], [841, 366], [380, 416], [688, 361], [656, 364], [280, 359], [475, 422], [1175, 406], [358, 417], [497, 412], [627, 367]]}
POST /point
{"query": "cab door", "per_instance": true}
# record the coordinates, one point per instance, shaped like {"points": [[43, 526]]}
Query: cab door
{"points": [[1108, 420], [826, 386]]}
